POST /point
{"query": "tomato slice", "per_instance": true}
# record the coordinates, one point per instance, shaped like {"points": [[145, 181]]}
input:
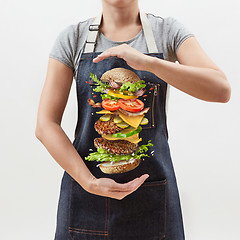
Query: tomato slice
{"points": [[110, 105], [131, 105]]}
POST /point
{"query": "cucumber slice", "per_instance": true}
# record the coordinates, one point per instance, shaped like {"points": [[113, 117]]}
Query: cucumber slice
{"points": [[122, 125], [144, 121], [117, 119], [105, 117], [129, 134]]}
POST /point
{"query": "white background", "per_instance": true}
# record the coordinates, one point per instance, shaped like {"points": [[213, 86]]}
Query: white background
{"points": [[204, 137]]}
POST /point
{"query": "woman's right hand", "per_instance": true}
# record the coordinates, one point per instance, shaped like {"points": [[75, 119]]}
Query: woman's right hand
{"points": [[109, 188]]}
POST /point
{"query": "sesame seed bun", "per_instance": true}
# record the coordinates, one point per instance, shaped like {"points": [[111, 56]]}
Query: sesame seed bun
{"points": [[120, 75]]}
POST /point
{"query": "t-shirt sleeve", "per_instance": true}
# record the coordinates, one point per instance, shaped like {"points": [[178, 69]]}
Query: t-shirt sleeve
{"points": [[177, 33], [64, 46]]}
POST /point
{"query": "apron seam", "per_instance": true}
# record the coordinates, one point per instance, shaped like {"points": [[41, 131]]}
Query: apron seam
{"points": [[102, 234], [108, 216], [152, 185], [87, 230], [70, 209], [165, 210], [79, 68]]}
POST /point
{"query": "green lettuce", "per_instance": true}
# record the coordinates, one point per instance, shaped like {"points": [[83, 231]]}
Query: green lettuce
{"points": [[107, 96], [100, 85], [132, 87], [102, 155], [128, 86]]}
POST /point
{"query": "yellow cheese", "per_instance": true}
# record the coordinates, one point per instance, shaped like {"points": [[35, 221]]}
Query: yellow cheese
{"points": [[133, 121], [133, 139], [105, 112]]}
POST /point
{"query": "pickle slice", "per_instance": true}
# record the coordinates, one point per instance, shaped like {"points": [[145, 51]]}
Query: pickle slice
{"points": [[117, 119], [144, 121], [122, 125], [105, 117], [128, 134]]}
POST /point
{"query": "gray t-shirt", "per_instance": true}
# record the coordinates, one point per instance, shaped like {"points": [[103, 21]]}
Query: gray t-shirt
{"points": [[168, 32]]}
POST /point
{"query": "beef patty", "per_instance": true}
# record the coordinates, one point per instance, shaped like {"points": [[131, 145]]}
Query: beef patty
{"points": [[117, 147], [108, 127]]}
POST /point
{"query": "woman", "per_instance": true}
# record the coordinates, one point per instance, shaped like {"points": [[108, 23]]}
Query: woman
{"points": [[93, 205]]}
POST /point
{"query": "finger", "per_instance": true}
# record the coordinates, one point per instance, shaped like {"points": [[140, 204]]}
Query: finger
{"points": [[101, 57], [137, 180], [129, 186], [118, 195], [111, 52], [122, 194], [140, 182]]}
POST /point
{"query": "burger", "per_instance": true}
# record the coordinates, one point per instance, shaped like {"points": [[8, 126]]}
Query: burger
{"points": [[120, 121]]}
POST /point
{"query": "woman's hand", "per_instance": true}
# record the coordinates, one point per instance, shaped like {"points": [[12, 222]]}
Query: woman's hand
{"points": [[196, 75], [109, 188], [134, 58]]}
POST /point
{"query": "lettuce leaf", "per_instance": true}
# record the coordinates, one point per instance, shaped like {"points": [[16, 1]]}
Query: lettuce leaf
{"points": [[100, 85], [102, 155], [107, 96], [132, 87]]}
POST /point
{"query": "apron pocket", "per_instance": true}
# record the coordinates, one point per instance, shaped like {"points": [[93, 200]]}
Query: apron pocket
{"points": [[87, 214], [141, 215]]}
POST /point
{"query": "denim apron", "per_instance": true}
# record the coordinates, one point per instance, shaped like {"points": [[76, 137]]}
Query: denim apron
{"points": [[153, 211]]}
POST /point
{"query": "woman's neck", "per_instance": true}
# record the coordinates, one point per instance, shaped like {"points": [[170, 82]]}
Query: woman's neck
{"points": [[120, 23]]}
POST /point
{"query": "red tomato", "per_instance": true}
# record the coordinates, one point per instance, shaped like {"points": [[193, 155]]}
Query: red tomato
{"points": [[110, 105], [131, 105]]}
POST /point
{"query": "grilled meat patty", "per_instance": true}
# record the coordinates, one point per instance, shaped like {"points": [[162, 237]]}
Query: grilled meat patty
{"points": [[108, 127], [116, 147]]}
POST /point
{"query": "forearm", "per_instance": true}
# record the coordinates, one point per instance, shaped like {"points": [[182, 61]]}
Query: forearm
{"points": [[62, 150], [203, 83]]}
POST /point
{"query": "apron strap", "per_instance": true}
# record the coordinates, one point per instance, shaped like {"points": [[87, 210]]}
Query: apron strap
{"points": [[148, 33], [94, 30], [92, 35]]}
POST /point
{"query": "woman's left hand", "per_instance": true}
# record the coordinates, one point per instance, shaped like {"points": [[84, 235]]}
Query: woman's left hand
{"points": [[134, 58]]}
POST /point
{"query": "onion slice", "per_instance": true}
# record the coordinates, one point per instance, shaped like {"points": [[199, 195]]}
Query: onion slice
{"points": [[106, 90], [114, 84], [132, 114], [140, 92]]}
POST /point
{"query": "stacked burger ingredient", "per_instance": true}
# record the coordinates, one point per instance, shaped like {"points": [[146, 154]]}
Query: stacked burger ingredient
{"points": [[120, 122]]}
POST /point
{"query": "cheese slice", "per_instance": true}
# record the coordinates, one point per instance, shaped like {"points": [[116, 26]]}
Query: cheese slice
{"points": [[105, 112], [132, 121], [133, 139]]}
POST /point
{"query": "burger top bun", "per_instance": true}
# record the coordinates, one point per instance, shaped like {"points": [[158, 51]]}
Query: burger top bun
{"points": [[120, 75], [119, 167]]}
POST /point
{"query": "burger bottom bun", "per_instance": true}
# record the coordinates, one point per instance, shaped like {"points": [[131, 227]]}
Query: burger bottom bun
{"points": [[119, 167]]}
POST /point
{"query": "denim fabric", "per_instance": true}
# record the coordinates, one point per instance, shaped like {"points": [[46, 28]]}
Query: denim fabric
{"points": [[153, 211]]}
